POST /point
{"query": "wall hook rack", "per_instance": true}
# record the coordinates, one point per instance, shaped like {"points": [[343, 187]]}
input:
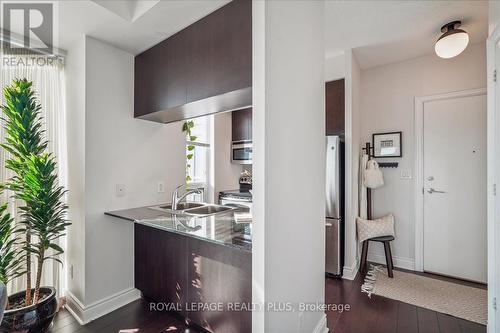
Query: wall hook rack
{"points": [[369, 151]]}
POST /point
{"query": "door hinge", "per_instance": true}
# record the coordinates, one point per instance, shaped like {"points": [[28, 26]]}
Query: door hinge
{"points": [[494, 189], [494, 303], [495, 75]]}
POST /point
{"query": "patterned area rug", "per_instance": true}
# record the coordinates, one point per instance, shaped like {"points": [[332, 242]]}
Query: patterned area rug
{"points": [[464, 302]]}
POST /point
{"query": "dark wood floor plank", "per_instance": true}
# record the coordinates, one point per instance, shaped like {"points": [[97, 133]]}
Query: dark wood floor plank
{"points": [[60, 322], [133, 320], [447, 323], [407, 318], [165, 322], [71, 328], [471, 327], [387, 319], [336, 292], [427, 321], [360, 304]]}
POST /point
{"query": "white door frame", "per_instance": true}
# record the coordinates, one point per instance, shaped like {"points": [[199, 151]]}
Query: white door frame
{"points": [[493, 175], [419, 167]]}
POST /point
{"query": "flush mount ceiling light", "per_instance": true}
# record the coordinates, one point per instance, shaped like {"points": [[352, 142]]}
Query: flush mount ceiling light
{"points": [[452, 42]]}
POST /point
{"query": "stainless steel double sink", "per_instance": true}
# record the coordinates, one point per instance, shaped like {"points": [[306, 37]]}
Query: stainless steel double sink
{"points": [[195, 209]]}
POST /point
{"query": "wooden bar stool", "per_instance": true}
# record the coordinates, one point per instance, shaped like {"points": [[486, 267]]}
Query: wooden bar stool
{"points": [[388, 256]]}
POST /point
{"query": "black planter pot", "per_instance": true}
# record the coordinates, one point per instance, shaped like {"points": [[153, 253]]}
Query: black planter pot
{"points": [[31, 319]]}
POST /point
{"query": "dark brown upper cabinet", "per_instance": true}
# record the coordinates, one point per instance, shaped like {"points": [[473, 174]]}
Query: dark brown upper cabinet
{"points": [[203, 69], [335, 107], [242, 125]]}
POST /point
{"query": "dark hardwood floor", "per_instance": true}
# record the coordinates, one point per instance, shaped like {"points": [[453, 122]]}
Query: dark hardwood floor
{"points": [[379, 314], [366, 315], [134, 317]]}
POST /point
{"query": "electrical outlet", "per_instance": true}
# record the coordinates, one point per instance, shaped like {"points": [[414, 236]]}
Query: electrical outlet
{"points": [[120, 190], [161, 187], [406, 174]]}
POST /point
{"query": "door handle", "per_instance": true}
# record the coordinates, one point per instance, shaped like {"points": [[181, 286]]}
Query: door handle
{"points": [[431, 190]]}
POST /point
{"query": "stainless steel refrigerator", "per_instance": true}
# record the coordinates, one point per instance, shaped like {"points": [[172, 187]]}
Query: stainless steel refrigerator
{"points": [[334, 206]]}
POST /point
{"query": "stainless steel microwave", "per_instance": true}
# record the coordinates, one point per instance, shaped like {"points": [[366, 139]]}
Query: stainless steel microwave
{"points": [[241, 152]]}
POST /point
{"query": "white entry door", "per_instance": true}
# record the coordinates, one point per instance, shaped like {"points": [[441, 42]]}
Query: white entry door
{"points": [[454, 170]]}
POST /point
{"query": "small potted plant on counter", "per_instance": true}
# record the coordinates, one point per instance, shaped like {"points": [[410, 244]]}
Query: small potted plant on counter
{"points": [[42, 211]]}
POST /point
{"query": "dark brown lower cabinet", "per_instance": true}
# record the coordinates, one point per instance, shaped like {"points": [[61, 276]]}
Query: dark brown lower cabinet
{"points": [[161, 265], [211, 282]]}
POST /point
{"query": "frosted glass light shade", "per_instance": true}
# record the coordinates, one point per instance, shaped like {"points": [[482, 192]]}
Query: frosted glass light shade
{"points": [[452, 43]]}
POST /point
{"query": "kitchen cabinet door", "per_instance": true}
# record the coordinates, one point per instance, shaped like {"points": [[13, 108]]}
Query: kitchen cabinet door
{"points": [[242, 125], [143, 73], [199, 57], [160, 265], [232, 51], [174, 77], [220, 274], [335, 107]]}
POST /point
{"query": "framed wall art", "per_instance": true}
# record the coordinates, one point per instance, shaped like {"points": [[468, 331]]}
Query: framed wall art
{"points": [[387, 144]]}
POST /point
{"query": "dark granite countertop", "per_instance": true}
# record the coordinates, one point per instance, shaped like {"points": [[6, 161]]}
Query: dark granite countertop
{"points": [[220, 229]]}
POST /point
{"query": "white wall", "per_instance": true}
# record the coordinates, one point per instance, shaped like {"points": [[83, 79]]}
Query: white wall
{"points": [[75, 101], [493, 167], [494, 15], [118, 150], [335, 67], [352, 151], [387, 104], [289, 230], [227, 174]]}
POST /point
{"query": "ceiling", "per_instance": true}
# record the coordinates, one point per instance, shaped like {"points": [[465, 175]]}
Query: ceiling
{"points": [[383, 32], [380, 32], [130, 10], [131, 25]]}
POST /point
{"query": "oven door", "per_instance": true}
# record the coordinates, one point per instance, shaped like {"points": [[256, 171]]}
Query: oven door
{"points": [[241, 153]]}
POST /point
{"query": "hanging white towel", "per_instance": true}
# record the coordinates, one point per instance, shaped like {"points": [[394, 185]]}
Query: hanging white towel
{"points": [[373, 177], [363, 204]]}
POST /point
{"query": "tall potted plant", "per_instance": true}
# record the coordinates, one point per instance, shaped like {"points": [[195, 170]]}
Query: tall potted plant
{"points": [[42, 211]]}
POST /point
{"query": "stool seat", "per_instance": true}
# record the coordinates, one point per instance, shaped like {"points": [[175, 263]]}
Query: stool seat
{"points": [[386, 240], [382, 239]]}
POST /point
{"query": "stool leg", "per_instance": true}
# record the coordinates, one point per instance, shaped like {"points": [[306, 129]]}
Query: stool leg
{"points": [[388, 258], [364, 255]]}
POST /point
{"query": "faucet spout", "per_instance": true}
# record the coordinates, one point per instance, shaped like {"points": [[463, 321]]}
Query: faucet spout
{"points": [[176, 199]]}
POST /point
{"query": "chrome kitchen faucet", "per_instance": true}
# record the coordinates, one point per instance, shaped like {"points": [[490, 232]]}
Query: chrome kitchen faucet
{"points": [[176, 199]]}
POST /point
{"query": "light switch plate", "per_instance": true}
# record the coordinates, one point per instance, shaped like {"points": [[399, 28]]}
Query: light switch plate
{"points": [[161, 187], [406, 174], [120, 190]]}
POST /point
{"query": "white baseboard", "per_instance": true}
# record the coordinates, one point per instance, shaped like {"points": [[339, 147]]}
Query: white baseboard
{"points": [[400, 262], [350, 272], [321, 327], [86, 313]]}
